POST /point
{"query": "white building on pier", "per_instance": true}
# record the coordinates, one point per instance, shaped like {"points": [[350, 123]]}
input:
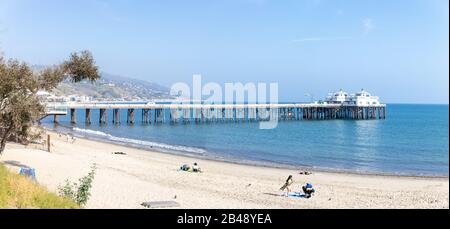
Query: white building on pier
{"points": [[362, 98], [339, 97]]}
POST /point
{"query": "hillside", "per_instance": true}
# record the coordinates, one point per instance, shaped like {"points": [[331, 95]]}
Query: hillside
{"points": [[114, 87]]}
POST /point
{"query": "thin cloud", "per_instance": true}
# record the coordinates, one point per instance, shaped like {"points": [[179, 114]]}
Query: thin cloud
{"points": [[313, 39], [368, 25]]}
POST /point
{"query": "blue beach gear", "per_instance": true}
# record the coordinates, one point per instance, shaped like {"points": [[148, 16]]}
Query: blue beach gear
{"points": [[28, 172], [308, 190], [296, 195]]}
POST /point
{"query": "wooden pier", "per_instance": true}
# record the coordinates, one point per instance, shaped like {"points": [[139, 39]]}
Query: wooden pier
{"points": [[210, 113]]}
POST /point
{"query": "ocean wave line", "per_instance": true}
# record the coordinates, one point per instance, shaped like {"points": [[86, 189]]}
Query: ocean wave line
{"points": [[140, 142]]}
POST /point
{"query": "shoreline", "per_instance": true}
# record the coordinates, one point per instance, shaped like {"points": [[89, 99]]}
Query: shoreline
{"points": [[255, 163], [271, 165], [125, 181]]}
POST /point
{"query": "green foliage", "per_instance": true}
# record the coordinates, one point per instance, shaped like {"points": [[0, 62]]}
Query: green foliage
{"points": [[81, 66], [79, 193], [19, 105]]}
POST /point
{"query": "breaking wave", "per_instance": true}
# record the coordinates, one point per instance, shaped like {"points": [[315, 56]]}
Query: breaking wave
{"points": [[136, 142]]}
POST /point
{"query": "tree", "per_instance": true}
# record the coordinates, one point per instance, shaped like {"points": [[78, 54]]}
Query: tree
{"points": [[19, 105]]}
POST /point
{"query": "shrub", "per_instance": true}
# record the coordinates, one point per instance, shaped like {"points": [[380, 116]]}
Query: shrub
{"points": [[79, 193]]}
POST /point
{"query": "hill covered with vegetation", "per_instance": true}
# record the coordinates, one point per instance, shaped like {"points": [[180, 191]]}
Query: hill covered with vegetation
{"points": [[114, 87]]}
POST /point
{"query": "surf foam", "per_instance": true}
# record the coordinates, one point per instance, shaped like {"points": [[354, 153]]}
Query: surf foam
{"points": [[139, 142]]}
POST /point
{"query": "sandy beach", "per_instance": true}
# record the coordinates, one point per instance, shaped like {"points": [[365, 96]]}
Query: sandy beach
{"points": [[125, 181]]}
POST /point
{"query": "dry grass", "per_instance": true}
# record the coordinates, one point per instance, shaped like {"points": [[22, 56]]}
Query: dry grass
{"points": [[20, 192]]}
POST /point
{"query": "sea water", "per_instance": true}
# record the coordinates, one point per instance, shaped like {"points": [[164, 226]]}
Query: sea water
{"points": [[413, 140]]}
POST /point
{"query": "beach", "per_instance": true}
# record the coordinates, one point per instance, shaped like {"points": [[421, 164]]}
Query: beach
{"points": [[126, 181]]}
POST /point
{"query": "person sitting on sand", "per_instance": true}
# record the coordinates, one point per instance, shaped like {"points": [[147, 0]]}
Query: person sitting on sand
{"points": [[308, 190], [287, 185], [185, 167], [196, 168]]}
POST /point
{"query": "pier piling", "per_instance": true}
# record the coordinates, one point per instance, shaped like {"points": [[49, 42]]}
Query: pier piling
{"points": [[144, 117], [103, 118], [116, 116], [130, 116], [217, 113], [73, 116], [88, 116]]}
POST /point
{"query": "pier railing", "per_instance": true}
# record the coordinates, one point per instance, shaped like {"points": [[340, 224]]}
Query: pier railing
{"points": [[56, 108]]}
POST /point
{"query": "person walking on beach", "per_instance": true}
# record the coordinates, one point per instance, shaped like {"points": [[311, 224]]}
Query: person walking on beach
{"points": [[287, 185]]}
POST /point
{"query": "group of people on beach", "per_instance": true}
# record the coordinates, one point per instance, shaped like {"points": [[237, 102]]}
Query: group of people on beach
{"points": [[307, 189], [195, 168]]}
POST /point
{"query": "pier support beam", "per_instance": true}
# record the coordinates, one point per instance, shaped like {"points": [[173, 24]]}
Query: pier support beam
{"points": [[116, 116], [145, 116], [88, 116], [159, 115], [103, 118], [73, 116], [130, 116], [384, 112], [186, 115], [234, 113]]}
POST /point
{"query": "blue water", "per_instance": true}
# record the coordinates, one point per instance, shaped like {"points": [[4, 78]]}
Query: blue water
{"points": [[413, 140]]}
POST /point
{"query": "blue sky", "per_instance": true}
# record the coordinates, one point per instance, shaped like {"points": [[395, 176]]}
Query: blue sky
{"points": [[395, 49]]}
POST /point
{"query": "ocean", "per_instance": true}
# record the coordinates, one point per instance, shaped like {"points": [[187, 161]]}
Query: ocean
{"points": [[412, 141]]}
